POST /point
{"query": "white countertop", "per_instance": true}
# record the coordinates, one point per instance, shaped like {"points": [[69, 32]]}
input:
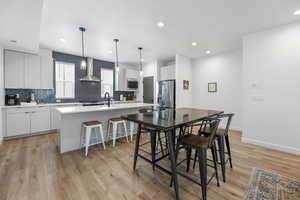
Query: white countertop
{"points": [[29, 105], [82, 109]]}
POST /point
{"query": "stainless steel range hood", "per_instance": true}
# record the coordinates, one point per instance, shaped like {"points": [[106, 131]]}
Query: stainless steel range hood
{"points": [[89, 72]]}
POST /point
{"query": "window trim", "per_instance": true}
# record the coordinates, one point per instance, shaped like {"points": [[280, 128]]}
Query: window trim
{"points": [[74, 81], [113, 81]]}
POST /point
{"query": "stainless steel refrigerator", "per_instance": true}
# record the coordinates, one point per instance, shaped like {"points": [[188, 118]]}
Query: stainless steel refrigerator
{"points": [[166, 94]]}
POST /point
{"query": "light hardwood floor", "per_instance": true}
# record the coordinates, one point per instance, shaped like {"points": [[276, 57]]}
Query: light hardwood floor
{"points": [[31, 168]]}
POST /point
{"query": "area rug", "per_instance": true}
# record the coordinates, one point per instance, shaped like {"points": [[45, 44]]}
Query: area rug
{"points": [[265, 185]]}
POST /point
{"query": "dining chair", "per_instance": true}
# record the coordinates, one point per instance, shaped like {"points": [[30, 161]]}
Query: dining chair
{"points": [[201, 144], [223, 139]]}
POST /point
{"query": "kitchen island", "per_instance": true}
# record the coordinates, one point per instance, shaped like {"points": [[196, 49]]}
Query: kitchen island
{"points": [[71, 119]]}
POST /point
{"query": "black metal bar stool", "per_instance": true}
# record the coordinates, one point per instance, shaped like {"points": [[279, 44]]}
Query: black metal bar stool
{"points": [[201, 144], [223, 139]]}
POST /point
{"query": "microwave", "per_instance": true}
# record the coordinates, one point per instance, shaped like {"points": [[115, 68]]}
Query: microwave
{"points": [[132, 84]]}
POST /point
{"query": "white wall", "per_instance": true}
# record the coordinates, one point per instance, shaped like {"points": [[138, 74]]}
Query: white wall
{"points": [[271, 88], [183, 71], [151, 69], [226, 70], [2, 92]]}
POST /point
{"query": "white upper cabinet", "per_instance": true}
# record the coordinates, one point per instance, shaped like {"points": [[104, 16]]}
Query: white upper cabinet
{"points": [[167, 72], [132, 74], [29, 71], [32, 71], [14, 63], [46, 69]]}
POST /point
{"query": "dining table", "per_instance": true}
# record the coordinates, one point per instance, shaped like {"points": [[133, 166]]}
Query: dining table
{"points": [[167, 121]]}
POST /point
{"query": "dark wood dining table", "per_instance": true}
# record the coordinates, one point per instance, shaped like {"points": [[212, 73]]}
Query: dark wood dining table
{"points": [[167, 120]]}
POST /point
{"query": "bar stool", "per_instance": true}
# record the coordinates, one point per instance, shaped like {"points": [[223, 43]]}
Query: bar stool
{"points": [[201, 144], [115, 122], [86, 131], [223, 139]]}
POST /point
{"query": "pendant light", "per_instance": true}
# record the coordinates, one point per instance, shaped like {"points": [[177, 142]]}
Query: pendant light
{"points": [[83, 61], [117, 59], [141, 64]]}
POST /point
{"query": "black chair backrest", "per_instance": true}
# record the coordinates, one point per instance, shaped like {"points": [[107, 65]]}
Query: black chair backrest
{"points": [[214, 124], [229, 118], [203, 125]]}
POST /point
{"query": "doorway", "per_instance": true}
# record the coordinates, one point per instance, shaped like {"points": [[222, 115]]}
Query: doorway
{"points": [[148, 89]]}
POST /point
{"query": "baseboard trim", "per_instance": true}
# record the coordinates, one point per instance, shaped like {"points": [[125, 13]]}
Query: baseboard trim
{"points": [[271, 146]]}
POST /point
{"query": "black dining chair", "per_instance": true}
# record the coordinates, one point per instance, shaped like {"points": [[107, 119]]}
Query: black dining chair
{"points": [[223, 139], [201, 144]]}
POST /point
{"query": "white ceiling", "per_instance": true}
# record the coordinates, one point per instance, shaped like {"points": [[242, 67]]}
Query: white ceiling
{"points": [[217, 25], [20, 20]]}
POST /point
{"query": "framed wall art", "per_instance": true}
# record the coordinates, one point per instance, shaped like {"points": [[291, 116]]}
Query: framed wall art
{"points": [[186, 84], [212, 87]]}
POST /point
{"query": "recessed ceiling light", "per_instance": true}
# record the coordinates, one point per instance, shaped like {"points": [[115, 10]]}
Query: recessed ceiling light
{"points": [[194, 44], [297, 12], [160, 24], [207, 52], [142, 59], [13, 41], [110, 52], [62, 40]]}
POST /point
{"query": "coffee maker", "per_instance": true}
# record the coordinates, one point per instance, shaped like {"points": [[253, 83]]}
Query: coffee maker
{"points": [[12, 99]]}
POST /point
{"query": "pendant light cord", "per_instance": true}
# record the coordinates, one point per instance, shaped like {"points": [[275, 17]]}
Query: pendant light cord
{"points": [[82, 44], [82, 29], [140, 50], [117, 56]]}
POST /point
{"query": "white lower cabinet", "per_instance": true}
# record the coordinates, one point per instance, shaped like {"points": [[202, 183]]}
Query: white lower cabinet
{"points": [[17, 123], [55, 118], [31, 121], [40, 120], [24, 121]]}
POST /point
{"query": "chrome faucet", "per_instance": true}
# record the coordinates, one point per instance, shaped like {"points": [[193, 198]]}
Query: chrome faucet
{"points": [[107, 97]]}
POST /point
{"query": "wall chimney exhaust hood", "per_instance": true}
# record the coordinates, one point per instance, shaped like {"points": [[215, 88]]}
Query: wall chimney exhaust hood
{"points": [[89, 72]]}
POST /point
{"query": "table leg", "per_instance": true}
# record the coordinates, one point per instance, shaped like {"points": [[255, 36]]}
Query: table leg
{"points": [[137, 146], [173, 162], [153, 147], [202, 159]]}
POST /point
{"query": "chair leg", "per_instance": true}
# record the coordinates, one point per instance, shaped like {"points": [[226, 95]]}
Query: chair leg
{"points": [[228, 149], [202, 159], [125, 129], [160, 143], [137, 146], [87, 140], [115, 128], [214, 153], [188, 158], [81, 136], [222, 156], [102, 136], [96, 134], [195, 159], [153, 147]]}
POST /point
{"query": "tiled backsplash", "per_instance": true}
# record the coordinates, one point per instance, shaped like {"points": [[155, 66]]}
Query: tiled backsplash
{"points": [[48, 96], [128, 94], [43, 96]]}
